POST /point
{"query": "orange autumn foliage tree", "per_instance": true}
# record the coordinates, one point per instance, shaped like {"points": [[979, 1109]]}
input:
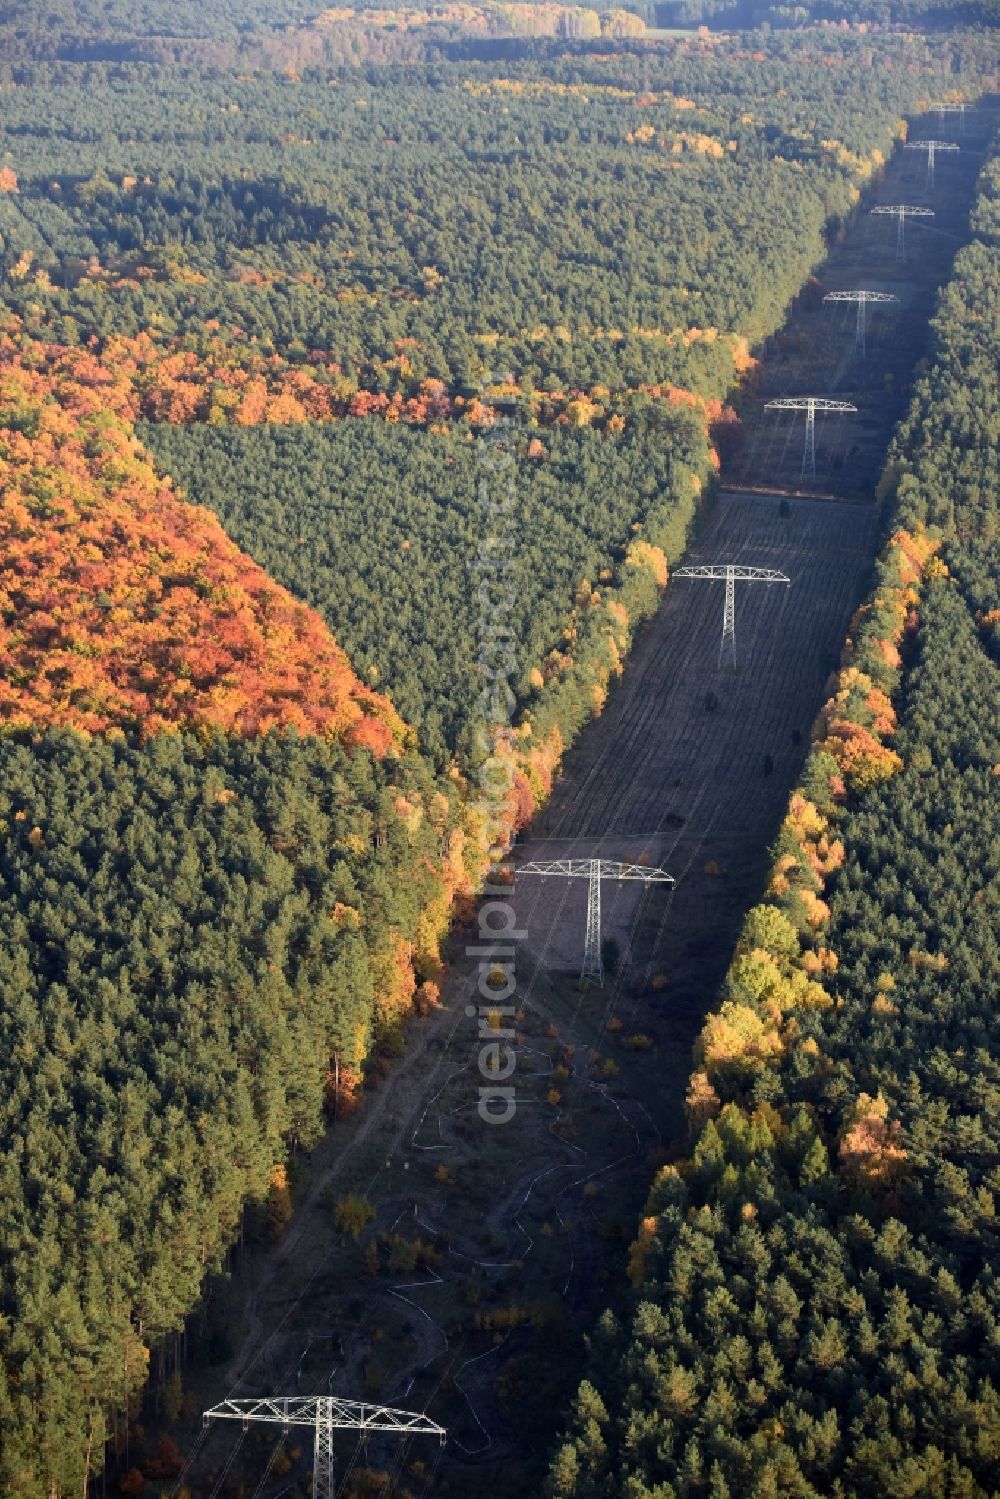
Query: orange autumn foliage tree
{"points": [[782, 963], [858, 718], [871, 1151], [125, 607], [228, 381]]}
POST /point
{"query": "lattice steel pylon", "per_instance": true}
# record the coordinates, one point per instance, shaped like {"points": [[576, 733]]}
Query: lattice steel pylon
{"points": [[728, 615], [864, 299], [932, 148], [326, 1414], [731, 573], [902, 212], [593, 958], [594, 871], [810, 405], [947, 106]]}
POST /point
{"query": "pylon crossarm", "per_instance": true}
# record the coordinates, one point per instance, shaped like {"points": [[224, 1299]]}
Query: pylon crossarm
{"points": [[354, 1415], [722, 573], [903, 210], [807, 403], [350, 1413], [287, 1412], [860, 296], [609, 869]]}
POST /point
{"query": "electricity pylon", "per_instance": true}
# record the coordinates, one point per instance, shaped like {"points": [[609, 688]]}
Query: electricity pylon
{"points": [[326, 1414], [810, 405], [944, 106], [864, 299], [594, 871], [731, 574], [903, 211], [931, 147]]}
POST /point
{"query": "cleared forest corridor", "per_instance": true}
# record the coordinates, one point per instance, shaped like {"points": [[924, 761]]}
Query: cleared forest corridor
{"points": [[496, 1248], [690, 764]]}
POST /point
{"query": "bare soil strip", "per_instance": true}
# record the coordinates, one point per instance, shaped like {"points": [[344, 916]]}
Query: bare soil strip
{"points": [[814, 353], [691, 762]]}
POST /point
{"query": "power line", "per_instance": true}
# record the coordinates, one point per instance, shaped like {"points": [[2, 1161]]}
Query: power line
{"points": [[325, 1414], [901, 212], [810, 405], [731, 574], [864, 299], [932, 148], [594, 871]]}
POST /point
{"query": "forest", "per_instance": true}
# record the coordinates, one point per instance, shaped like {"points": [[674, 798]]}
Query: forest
{"points": [[351, 217], [262, 309], [922, 15], [199, 934], [128, 609], [406, 611], [814, 1307], [225, 872], [277, 33]]}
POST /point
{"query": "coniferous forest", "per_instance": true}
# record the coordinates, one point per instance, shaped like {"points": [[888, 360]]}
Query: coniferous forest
{"points": [[273, 279]]}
